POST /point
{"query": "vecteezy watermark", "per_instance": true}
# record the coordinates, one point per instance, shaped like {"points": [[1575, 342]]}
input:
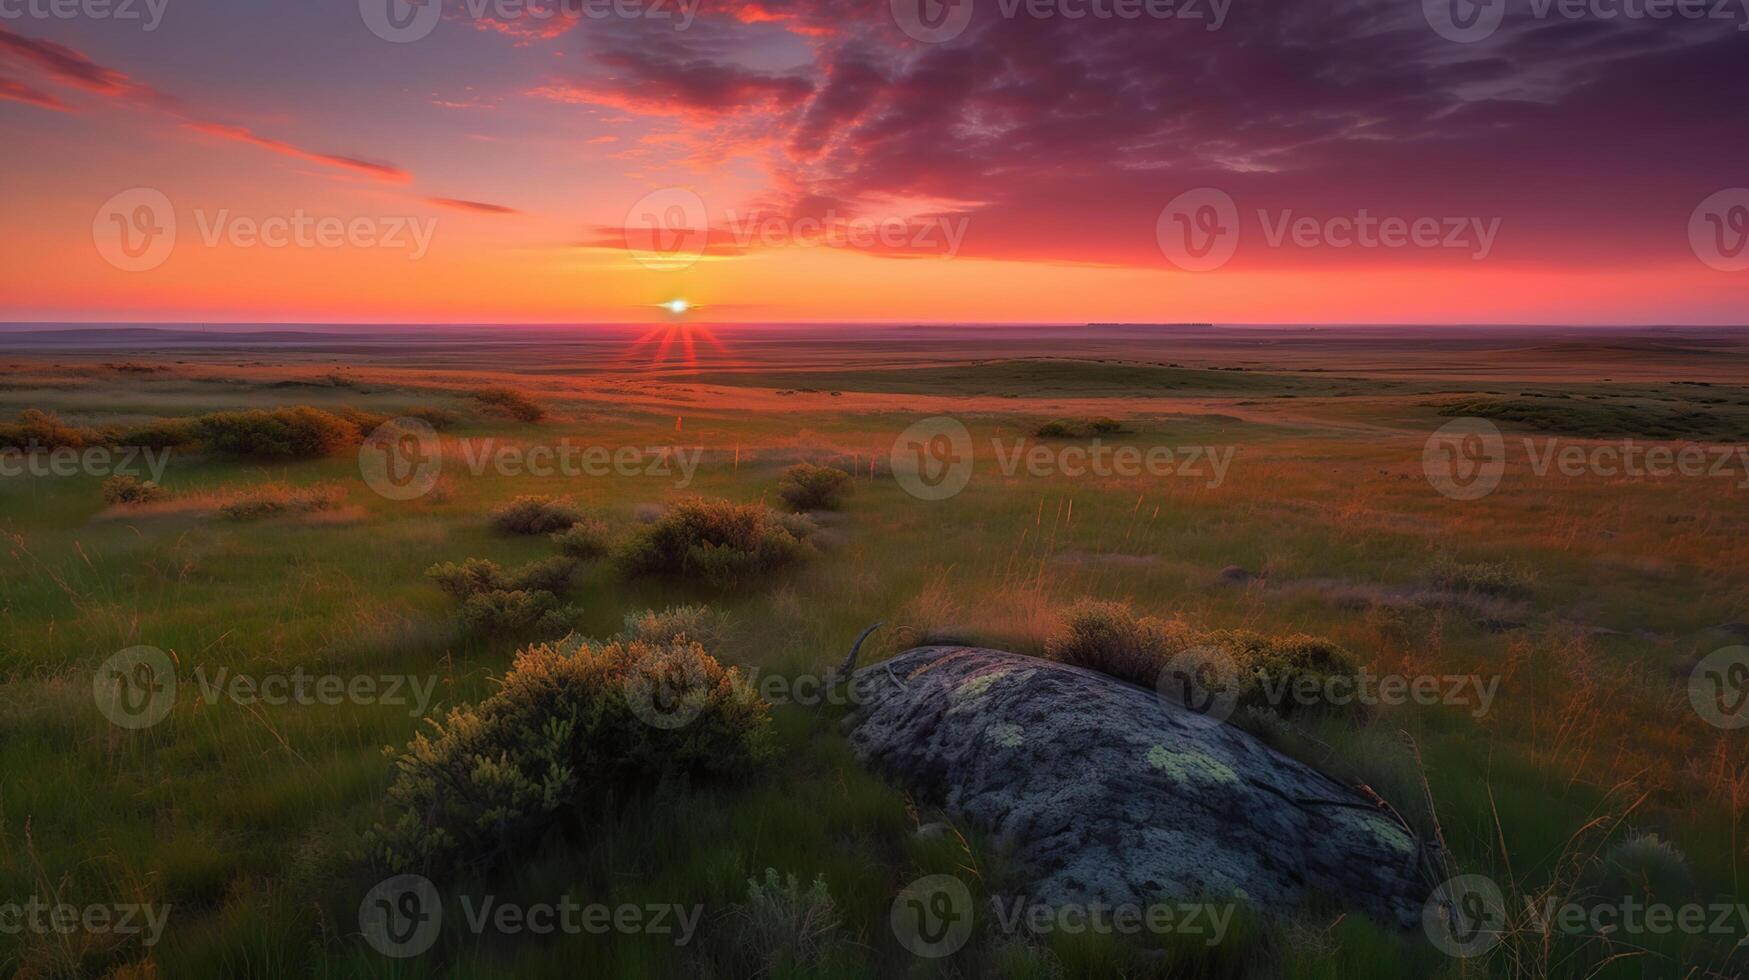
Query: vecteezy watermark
{"points": [[1205, 682], [920, 234], [41, 917], [136, 688], [939, 21], [1468, 915], [136, 230], [1718, 229], [933, 916], [934, 459], [403, 916], [405, 21], [1208, 921], [1718, 688], [64, 461], [673, 698], [1206, 463], [1466, 458], [1200, 230], [667, 229], [403, 458], [149, 13], [1469, 21]]}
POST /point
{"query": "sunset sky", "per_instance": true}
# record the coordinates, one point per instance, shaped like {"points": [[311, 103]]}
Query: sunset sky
{"points": [[1016, 171]]}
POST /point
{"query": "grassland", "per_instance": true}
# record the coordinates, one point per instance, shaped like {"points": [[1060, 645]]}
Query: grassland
{"points": [[249, 820]]}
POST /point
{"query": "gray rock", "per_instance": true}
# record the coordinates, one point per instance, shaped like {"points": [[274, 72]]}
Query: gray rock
{"points": [[1107, 793]]}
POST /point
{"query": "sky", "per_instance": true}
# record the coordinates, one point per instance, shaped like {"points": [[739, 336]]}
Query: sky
{"points": [[559, 161]]}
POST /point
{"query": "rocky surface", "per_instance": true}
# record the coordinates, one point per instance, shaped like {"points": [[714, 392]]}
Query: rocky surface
{"points": [[1107, 793]]}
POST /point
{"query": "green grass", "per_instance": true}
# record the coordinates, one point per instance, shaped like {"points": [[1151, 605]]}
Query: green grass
{"points": [[250, 822]]}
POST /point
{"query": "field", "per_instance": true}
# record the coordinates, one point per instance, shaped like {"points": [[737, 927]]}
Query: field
{"points": [[1588, 596]]}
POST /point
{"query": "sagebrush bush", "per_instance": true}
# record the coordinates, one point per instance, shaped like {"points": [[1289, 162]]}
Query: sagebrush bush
{"points": [[785, 928], [509, 401], [586, 539], [563, 729], [273, 499], [482, 575], [696, 622], [1104, 426], [535, 515], [158, 434], [806, 486], [279, 433], [36, 429], [365, 422], [124, 489], [718, 542], [1110, 638], [1057, 429], [519, 613], [1646, 864]]}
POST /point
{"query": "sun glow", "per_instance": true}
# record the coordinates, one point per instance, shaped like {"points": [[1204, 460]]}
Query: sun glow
{"points": [[677, 306]]}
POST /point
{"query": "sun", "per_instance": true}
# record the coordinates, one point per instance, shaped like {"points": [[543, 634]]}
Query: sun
{"points": [[677, 306]]}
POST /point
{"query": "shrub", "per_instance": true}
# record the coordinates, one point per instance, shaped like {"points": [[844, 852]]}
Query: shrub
{"points": [[1057, 429], [672, 624], [1646, 864], [365, 422], [159, 434], [508, 401], [124, 489], [717, 541], [1110, 638], [272, 499], [1103, 426], [785, 929], [564, 728], [808, 487], [292, 433], [585, 539], [535, 515], [518, 612], [36, 429], [477, 575]]}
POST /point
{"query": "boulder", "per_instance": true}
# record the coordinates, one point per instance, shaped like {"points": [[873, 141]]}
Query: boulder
{"points": [[1107, 793]]}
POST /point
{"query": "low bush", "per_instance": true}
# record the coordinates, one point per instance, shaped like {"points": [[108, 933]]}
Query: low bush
{"points": [[365, 422], [718, 542], [808, 487], [674, 623], [1104, 426], [36, 429], [518, 613], [586, 539], [274, 499], [1071, 429], [786, 930], [1110, 638], [510, 402], [159, 434], [124, 489], [535, 515], [1057, 429], [279, 433], [478, 575], [564, 729]]}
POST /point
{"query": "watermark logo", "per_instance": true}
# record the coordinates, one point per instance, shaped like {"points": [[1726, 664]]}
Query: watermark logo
{"points": [[1718, 688], [1019, 917], [66, 461], [150, 13], [1204, 682], [401, 916], [932, 916], [1464, 21], [401, 459], [1465, 916], [136, 688], [938, 234], [668, 229], [401, 21], [50, 919], [1718, 230], [932, 459], [1464, 459], [135, 230], [1198, 231], [932, 21], [667, 695]]}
